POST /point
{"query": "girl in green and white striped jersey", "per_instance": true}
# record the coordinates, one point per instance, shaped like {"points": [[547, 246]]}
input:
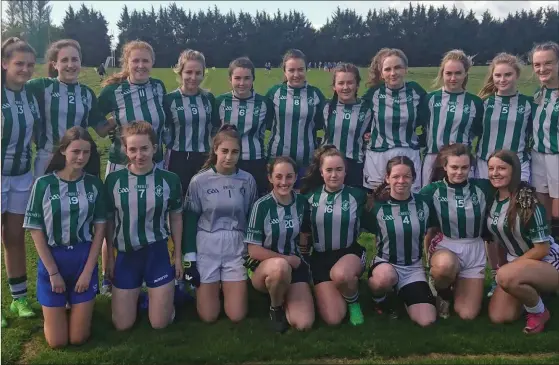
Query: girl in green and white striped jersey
{"points": [[189, 118], [395, 115], [132, 95], [273, 238], [459, 203], [20, 116], [141, 199], [333, 218], [517, 220], [507, 118], [399, 219], [66, 216], [251, 113], [545, 152], [450, 114], [297, 113], [63, 101], [347, 120]]}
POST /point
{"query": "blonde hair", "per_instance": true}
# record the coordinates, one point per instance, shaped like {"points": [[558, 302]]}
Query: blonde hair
{"points": [[454, 55], [189, 55], [52, 53], [541, 47], [375, 69], [489, 87], [124, 73]]}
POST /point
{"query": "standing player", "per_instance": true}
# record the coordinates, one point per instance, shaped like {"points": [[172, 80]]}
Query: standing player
{"points": [[338, 260], [63, 101], [217, 206], [101, 71], [141, 199], [545, 153], [298, 114], [189, 118], [66, 217], [450, 114], [251, 113], [273, 238], [400, 220], [459, 259], [268, 66], [517, 220], [395, 106], [20, 116], [347, 119]]}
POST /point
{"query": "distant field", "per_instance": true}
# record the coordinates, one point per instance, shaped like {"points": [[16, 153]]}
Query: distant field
{"points": [[189, 341]]}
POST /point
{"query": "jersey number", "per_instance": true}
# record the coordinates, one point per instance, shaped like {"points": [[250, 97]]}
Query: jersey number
{"points": [[242, 112], [71, 99], [74, 200], [505, 109], [452, 108], [347, 115], [329, 209], [142, 191], [142, 92], [406, 220], [289, 223], [296, 102], [20, 109], [460, 203], [194, 111]]}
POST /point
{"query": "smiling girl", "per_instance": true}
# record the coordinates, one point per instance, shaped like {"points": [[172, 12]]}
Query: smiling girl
{"points": [[63, 101]]}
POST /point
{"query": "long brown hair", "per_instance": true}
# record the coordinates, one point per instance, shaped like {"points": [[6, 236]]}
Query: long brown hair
{"points": [[489, 87], [52, 53], [547, 46], [343, 67], [11, 46], [124, 73], [375, 69], [456, 149], [454, 55], [76, 133], [313, 179], [292, 54], [227, 131], [523, 198]]}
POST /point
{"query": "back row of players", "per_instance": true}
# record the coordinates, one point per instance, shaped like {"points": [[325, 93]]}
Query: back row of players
{"points": [[390, 111]]}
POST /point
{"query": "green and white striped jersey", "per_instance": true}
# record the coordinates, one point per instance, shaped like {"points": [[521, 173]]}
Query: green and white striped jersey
{"points": [[275, 226], [507, 124], [395, 116], [189, 120], [297, 117], [523, 237], [62, 107], [460, 208], [400, 226], [335, 217], [128, 102], [251, 116], [345, 126], [66, 210], [546, 122], [450, 118], [139, 205], [20, 117]]}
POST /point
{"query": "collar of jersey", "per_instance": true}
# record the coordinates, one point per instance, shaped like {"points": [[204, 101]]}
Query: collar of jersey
{"points": [[507, 96], [133, 83], [242, 99], [398, 89], [330, 193], [146, 174], [284, 205], [357, 102], [296, 88], [393, 200], [215, 170], [500, 201], [69, 181], [14, 91], [454, 186], [453, 92], [180, 92], [66, 83]]}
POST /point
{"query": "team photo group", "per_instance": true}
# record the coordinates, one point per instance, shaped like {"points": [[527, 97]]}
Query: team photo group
{"points": [[196, 197]]}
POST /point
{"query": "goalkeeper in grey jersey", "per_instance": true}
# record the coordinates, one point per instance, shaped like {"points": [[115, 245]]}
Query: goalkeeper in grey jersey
{"points": [[217, 206]]}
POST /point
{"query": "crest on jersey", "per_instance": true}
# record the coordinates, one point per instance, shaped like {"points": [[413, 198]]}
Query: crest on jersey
{"points": [[85, 100], [256, 111], [556, 107], [520, 109], [345, 205], [311, 101], [159, 190], [466, 109], [90, 197], [475, 199], [243, 190], [421, 215], [32, 108], [362, 116]]}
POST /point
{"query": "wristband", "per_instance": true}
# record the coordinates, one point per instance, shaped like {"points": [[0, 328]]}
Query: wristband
{"points": [[56, 273]]}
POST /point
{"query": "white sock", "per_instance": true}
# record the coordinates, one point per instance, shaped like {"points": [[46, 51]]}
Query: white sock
{"points": [[539, 308], [378, 300]]}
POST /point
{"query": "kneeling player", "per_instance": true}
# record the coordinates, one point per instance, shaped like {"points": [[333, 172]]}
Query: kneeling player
{"points": [[272, 237], [399, 220]]}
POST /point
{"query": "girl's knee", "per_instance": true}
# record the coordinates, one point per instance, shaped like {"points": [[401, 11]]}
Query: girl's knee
{"points": [[79, 339], [236, 316], [123, 325]]}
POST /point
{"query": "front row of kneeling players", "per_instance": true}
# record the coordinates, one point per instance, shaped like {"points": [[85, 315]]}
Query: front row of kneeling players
{"points": [[68, 214]]}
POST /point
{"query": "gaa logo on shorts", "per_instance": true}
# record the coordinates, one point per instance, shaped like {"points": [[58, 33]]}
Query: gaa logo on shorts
{"points": [[345, 205], [90, 197], [421, 215], [159, 190]]}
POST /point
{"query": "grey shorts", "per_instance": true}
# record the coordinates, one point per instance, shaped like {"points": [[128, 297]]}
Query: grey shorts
{"points": [[406, 274], [220, 256]]}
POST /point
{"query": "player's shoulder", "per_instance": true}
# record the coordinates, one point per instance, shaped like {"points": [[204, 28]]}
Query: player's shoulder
{"points": [[264, 202], [92, 179], [245, 176], [432, 187], [473, 97], [223, 97], [110, 89], [112, 177], [371, 91], [528, 100], [274, 89], [202, 175], [357, 193], [420, 199], [415, 86], [42, 182], [167, 175], [171, 95]]}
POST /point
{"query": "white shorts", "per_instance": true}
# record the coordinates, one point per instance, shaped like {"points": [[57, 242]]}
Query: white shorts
{"points": [[112, 167], [552, 257], [220, 256], [545, 173], [482, 171], [406, 274], [41, 163], [374, 170], [427, 169], [470, 253], [15, 192]]}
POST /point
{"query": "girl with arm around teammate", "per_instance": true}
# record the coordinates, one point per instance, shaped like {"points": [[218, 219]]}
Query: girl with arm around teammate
{"points": [[216, 214], [334, 215], [20, 118], [400, 219], [142, 198], [517, 220], [66, 216], [272, 238]]}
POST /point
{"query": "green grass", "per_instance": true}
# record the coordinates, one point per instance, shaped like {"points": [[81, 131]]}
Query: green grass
{"points": [[190, 341]]}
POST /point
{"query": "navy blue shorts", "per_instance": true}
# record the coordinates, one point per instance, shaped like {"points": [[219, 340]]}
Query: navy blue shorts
{"points": [[70, 261], [150, 264], [302, 274]]}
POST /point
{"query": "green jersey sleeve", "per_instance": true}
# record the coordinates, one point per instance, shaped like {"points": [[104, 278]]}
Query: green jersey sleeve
{"points": [[109, 197], [95, 118], [477, 123], [319, 115], [37, 87], [255, 229], [106, 101], [270, 113], [537, 228], [100, 212], [34, 213], [175, 197]]}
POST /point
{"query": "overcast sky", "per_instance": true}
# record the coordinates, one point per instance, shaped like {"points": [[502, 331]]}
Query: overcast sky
{"points": [[317, 12]]}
